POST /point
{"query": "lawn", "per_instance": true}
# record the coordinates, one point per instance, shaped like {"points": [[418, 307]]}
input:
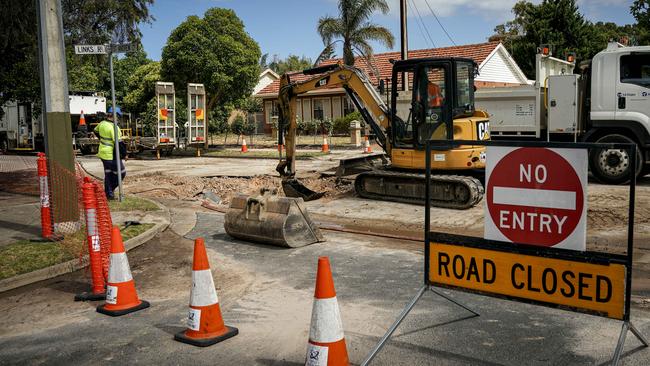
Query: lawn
{"points": [[132, 203], [27, 256]]}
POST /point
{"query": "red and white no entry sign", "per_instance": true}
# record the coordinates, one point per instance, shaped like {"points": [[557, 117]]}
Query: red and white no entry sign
{"points": [[537, 196]]}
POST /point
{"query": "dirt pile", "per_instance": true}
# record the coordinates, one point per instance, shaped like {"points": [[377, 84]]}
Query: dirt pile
{"points": [[159, 185]]}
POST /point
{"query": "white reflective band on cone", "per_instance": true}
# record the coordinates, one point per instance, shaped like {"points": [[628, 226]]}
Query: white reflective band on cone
{"points": [[326, 325], [119, 270], [91, 221], [203, 292]]}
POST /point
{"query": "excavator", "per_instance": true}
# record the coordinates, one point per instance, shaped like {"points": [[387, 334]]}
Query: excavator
{"points": [[431, 99]]}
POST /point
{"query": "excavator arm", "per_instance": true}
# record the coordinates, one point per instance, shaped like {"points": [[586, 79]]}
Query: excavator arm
{"points": [[356, 84]]}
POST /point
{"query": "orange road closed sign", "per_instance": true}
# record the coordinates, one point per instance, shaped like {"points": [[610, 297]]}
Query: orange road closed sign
{"points": [[586, 287]]}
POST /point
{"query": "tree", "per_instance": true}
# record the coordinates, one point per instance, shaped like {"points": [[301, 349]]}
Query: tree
{"points": [[555, 22], [214, 50], [291, 63], [95, 22], [640, 10], [328, 53], [354, 29], [141, 97]]}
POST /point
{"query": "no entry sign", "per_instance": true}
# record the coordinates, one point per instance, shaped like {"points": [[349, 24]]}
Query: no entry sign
{"points": [[537, 196]]}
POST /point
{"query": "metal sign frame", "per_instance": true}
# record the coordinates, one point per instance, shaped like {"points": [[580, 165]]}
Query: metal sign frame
{"points": [[165, 126], [196, 129], [431, 238]]}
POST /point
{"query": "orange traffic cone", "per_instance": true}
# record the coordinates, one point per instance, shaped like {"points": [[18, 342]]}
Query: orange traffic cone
{"points": [[326, 341], [244, 148], [366, 148], [121, 297], [82, 119], [204, 322], [280, 148], [326, 147]]}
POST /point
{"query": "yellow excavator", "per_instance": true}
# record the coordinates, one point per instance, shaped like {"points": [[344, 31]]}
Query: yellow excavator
{"points": [[431, 98]]}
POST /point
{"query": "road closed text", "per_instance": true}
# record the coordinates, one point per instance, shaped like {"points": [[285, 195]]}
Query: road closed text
{"points": [[585, 286]]}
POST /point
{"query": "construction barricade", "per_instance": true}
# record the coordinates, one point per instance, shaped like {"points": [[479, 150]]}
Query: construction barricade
{"points": [[534, 245]]}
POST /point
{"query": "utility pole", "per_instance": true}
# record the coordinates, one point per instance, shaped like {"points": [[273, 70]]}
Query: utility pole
{"points": [[403, 39], [56, 108]]}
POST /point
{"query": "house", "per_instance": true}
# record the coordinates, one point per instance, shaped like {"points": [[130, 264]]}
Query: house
{"points": [[266, 77], [496, 69]]}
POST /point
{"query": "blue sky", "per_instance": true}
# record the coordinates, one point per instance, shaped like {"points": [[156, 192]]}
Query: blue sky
{"points": [[286, 27]]}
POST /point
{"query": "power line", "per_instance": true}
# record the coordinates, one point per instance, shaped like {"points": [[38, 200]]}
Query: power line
{"points": [[413, 5], [438, 20]]}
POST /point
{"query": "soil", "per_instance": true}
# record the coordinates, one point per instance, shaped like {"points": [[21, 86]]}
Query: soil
{"points": [[159, 185]]}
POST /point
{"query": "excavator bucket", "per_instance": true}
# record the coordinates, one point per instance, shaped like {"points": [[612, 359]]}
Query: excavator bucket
{"points": [[269, 219], [293, 188]]}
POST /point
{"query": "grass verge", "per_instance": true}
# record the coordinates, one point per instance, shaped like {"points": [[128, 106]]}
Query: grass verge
{"points": [[27, 256], [132, 203]]}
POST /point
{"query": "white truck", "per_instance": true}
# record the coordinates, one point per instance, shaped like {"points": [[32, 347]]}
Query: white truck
{"points": [[608, 100]]}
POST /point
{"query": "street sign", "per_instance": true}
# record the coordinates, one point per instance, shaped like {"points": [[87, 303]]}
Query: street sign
{"points": [[123, 47], [89, 49], [597, 288], [537, 196]]}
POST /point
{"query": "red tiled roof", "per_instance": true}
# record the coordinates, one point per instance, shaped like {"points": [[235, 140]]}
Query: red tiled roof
{"points": [[381, 64]]}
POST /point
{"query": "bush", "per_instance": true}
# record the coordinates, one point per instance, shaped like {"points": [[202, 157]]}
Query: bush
{"points": [[341, 125], [238, 125]]}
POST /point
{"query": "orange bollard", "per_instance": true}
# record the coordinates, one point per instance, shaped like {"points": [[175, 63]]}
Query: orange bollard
{"points": [[326, 340], [326, 147], [244, 148], [204, 322], [94, 254], [280, 148], [121, 297], [46, 213]]}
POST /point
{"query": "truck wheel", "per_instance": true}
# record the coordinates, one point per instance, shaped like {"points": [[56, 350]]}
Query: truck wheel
{"points": [[610, 166]]}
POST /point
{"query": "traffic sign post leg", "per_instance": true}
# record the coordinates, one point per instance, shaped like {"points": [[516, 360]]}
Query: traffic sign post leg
{"points": [[627, 326], [454, 301], [393, 327]]}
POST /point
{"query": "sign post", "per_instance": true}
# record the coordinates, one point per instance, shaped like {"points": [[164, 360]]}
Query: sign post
{"points": [[535, 230], [110, 49]]}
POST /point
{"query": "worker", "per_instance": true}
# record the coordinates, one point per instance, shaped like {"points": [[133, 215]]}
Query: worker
{"points": [[434, 95], [105, 130]]}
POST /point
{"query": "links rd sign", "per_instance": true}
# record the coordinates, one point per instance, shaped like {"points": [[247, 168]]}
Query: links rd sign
{"points": [[536, 196], [586, 287], [89, 49]]}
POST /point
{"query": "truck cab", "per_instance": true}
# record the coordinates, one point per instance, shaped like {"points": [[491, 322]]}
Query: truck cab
{"points": [[619, 108]]}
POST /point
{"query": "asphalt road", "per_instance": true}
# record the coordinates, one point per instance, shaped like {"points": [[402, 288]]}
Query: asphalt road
{"points": [[267, 293]]}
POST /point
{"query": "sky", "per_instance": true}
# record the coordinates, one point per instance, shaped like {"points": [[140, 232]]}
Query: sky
{"points": [[283, 27]]}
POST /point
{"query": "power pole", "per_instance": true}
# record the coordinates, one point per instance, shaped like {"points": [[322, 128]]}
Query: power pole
{"points": [[403, 39], [56, 108]]}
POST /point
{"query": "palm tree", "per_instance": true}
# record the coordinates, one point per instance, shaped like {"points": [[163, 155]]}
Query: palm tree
{"points": [[354, 29]]}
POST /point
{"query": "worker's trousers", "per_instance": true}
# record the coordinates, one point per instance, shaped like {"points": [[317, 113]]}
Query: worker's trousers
{"points": [[110, 176]]}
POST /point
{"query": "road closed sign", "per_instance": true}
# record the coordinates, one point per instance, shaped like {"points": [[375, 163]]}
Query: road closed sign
{"points": [[536, 196], [597, 288]]}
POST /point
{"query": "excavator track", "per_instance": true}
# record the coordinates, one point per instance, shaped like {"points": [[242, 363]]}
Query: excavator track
{"points": [[447, 191]]}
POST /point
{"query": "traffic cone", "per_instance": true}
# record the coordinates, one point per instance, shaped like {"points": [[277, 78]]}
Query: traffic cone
{"points": [[82, 119], [280, 148], [367, 149], [326, 147], [326, 341], [121, 297], [244, 148], [204, 322]]}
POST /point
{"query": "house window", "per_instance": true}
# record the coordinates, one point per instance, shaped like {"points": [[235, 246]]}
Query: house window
{"points": [[348, 106], [319, 106], [271, 111]]}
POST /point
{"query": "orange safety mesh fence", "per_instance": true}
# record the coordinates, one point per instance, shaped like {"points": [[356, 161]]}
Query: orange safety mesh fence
{"points": [[104, 225]]}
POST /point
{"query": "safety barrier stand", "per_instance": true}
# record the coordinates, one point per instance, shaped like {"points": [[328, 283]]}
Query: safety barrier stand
{"points": [[571, 277], [94, 249], [46, 212]]}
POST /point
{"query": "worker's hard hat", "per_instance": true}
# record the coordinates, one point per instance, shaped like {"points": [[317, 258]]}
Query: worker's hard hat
{"points": [[118, 111]]}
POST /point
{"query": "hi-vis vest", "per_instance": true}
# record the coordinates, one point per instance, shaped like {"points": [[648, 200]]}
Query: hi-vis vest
{"points": [[105, 130]]}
